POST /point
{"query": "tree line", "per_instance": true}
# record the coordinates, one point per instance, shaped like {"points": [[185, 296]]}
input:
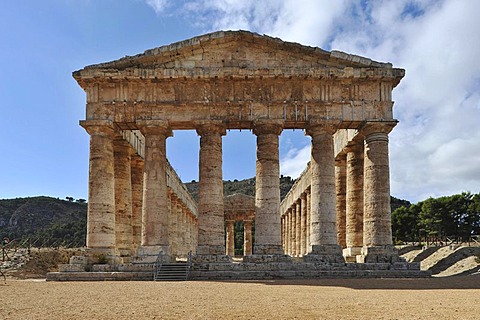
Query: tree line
{"points": [[455, 217]]}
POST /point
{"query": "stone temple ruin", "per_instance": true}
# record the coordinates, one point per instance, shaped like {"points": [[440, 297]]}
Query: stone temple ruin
{"points": [[335, 221]]}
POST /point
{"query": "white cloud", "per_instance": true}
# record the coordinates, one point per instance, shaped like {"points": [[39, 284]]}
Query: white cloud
{"points": [[158, 5], [435, 148], [295, 161]]}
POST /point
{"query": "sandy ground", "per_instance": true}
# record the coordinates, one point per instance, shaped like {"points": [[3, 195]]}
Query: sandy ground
{"points": [[434, 298]]}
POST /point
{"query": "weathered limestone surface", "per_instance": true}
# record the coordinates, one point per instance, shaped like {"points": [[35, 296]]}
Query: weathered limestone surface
{"points": [[267, 189], [137, 198], [211, 234], [354, 198], [155, 213], [340, 185], [323, 225], [377, 238], [123, 196], [247, 238], [230, 238], [101, 188], [303, 224]]}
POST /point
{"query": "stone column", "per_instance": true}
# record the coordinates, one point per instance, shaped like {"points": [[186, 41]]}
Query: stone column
{"points": [[155, 211], [377, 229], [123, 196], [354, 195], [188, 231], [173, 233], [101, 189], [298, 227], [341, 203], [303, 224], [323, 234], [308, 222], [211, 232], [183, 230], [230, 238], [247, 237], [288, 232], [137, 198], [267, 189], [293, 227]]}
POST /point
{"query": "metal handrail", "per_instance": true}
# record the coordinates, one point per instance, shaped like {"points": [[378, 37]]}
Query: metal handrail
{"points": [[157, 266], [189, 264]]}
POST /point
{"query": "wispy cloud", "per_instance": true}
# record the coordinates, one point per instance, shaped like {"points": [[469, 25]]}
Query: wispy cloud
{"points": [[158, 5]]}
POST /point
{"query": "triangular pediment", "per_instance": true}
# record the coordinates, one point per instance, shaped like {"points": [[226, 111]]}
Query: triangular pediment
{"points": [[236, 49]]}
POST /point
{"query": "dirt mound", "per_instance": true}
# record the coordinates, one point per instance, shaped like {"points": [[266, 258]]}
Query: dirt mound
{"points": [[36, 262], [446, 260]]}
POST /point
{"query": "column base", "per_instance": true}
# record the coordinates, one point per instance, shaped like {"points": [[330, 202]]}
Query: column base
{"points": [[211, 258], [379, 254], [102, 255], [150, 254], [210, 250], [351, 253], [268, 249], [331, 253]]}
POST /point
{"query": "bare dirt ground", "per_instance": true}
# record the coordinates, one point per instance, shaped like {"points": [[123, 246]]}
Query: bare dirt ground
{"points": [[434, 298]]}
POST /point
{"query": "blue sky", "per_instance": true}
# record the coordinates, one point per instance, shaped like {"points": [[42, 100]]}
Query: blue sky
{"points": [[434, 151]]}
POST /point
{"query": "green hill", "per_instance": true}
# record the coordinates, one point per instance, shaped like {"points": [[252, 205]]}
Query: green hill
{"points": [[44, 221]]}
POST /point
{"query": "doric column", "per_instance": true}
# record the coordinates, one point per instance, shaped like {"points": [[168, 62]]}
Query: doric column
{"points": [[308, 222], [267, 188], [354, 195], [173, 233], [230, 250], [155, 211], [101, 188], [303, 224], [288, 246], [377, 229], [323, 235], [293, 235], [247, 237], [182, 230], [137, 198], [282, 221], [341, 203], [298, 227], [188, 231], [211, 233], [123, 196]]}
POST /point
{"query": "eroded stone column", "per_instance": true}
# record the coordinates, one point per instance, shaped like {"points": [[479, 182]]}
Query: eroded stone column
{"points": [[298, 227], [247, 237], [303, 224], [123, 196], [341, 203], [230, 238], [288, 233], [267, 189], [308, 222], [293, 236], [377, 236], [173, 226], [354, 195], [137, 199], [155, 211], [211, 233], [323, 235], [101, 189]]}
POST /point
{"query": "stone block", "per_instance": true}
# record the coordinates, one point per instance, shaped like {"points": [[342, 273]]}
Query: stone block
{"points": [[71, 267]]}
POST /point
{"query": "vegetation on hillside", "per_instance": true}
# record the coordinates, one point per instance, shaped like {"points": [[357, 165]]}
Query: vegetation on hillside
{"points": [[44, 221], [453, 217]]}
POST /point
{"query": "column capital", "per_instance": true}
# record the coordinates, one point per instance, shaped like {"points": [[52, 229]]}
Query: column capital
{"points": [[372, 127], [353, 146], [303, 195], [99, 127], [267, 127], [341, 159], [205, 128], [321, 127], [154, 127]]}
